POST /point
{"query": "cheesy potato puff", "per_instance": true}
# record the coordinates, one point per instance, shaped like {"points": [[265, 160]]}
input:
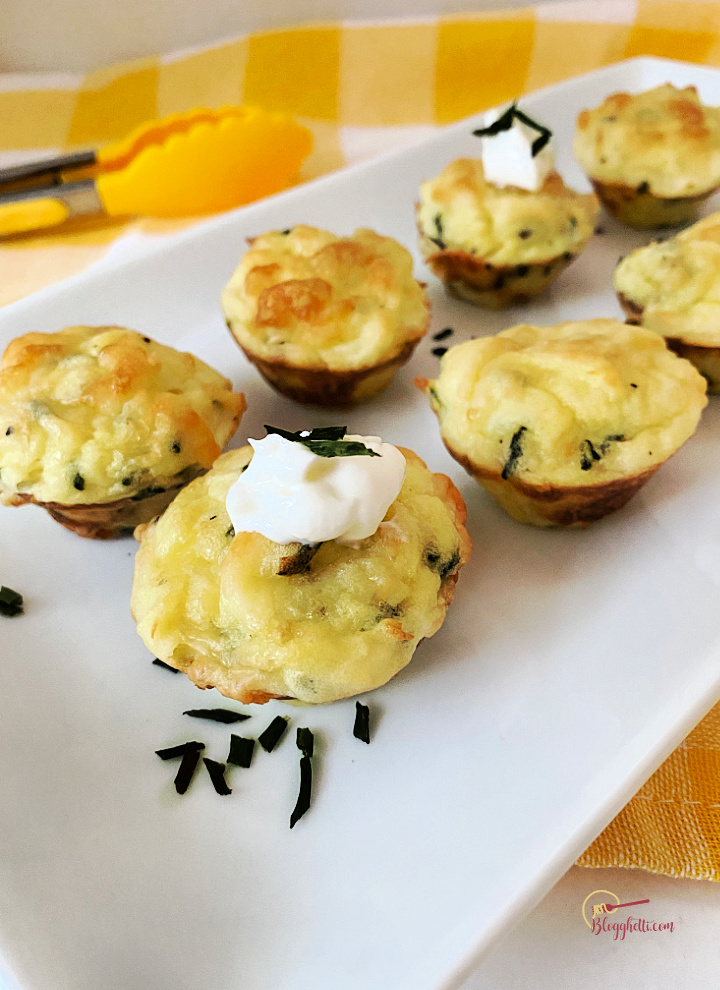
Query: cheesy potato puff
{"points": [[499, 246], [673, 287], [102, 426], [326, 320], [652, 158], [260, 620], [563, 424]]}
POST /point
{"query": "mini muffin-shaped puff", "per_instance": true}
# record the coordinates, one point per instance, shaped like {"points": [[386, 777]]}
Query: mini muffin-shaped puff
{"points": [[326, 320], [496, 246], [102, 426], [673, 287], [563, 424], [260, 620], [652, 158]]}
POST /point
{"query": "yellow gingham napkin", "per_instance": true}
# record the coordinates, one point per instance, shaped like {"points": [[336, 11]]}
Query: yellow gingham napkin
{"points": [[362, 89]]}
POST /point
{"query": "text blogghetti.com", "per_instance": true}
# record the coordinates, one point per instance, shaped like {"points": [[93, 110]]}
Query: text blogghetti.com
{"points": [[619, 929]]}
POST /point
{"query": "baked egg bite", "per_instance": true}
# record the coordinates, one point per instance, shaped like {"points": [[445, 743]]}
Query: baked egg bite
{"points": [[326, 320], [102, 426], [673, 287], [653, 157], [312, 622], [498, 246], [563, 424]]}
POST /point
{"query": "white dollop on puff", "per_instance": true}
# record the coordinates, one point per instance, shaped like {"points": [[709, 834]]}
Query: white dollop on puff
{"points": [[291, 495], [507, 157]]}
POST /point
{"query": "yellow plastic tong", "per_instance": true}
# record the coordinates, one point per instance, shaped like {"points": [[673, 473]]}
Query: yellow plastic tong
{"points": [[183, 165]]}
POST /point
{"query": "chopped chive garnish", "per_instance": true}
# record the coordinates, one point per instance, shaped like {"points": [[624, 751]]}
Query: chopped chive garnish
{"points": [[305, 741], [361, 729], [327, 441], [217, 776], [505, 122], [241, 751], [439, 351], [174, 751], [443, 334], [225, 715], [165, 666], [272, 735], [303, 800], [11, 602], [186, 769], [327, 433]]}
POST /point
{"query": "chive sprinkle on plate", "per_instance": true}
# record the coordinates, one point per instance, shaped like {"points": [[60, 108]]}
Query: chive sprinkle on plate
{"points": [[241, 751], [361, 729], [186, 770], [11, 602], [165, 666], [272, 735], [217, 776], [225, 715], [303, 801], [305, 741], [174, 751]]}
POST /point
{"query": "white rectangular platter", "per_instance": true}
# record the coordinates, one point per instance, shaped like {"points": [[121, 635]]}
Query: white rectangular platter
{"points": [[570, 664]]}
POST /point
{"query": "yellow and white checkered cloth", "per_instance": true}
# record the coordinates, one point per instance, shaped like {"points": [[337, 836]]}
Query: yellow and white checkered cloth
{"points": [[365, 88]]}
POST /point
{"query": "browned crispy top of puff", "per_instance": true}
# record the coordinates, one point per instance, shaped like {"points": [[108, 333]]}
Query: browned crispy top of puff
{"points": [[314, 299], [93, 414]]}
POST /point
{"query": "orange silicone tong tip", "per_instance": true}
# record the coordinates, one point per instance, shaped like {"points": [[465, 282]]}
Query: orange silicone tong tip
{"points": [[206, 161]]}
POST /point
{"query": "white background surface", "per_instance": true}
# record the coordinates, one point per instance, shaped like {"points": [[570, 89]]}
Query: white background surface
{"points": [[434, 873], [554, 949]]}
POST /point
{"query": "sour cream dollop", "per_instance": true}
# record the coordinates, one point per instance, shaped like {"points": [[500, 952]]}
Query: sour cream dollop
{"points": [[507, 157], [291, 495]]}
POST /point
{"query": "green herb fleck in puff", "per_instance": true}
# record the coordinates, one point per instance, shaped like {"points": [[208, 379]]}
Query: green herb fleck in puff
{"points": [[515, 453], [439, 240]]}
